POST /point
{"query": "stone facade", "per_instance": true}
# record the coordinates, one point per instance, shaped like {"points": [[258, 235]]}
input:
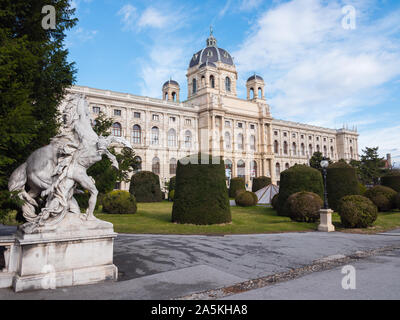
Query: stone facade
{"points": [[213, 119]]}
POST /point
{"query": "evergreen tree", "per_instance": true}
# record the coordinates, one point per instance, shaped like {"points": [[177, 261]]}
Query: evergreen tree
{"points": [[34, 74], [370, 166], [315, 160]]}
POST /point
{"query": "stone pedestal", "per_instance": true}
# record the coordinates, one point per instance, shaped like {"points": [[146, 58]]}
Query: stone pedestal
{"points": [[326, 221], [76, 252]]}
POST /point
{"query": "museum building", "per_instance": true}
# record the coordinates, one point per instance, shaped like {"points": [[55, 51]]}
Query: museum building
{"points": [[214, 120]]}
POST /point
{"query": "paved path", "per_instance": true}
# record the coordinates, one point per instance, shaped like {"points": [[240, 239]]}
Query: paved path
{"points": [[377, 278], [165, 266]]}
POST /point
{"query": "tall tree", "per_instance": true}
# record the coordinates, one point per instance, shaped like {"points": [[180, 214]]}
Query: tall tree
{"points": [[34, 74], [315, 160], [370, 166]]}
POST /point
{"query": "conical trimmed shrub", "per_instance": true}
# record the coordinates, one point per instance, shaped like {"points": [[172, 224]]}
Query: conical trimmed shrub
{"points": [[145, 187], [296, 179], [201, 195], [341, 181]]}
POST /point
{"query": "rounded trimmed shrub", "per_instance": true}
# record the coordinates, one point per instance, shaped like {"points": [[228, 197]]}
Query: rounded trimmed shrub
{"points": [[383, 197], [145, 187], [246, 199], [304, 206], [341, 180], [296, 179], [392, 180], [235, 185], [357, 212], [260, 182], [201, 196], [119, 202], [274, 201]]}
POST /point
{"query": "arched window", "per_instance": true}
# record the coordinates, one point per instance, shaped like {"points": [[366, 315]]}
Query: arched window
{"points": [[227, 84], [166, 96], [139, 162], [203, 81], [287, 166], [241, 169], [240, 141], [303, 149], [294, 148], [253, 143], [277, 170], [310, 150], [318, 148], [285, 148], [325, 151], [136, 134], [253, 169], [276, 146], [212, 81], [172, 166], [228, 140], [260, 93], [194, 86], [155, 136], [171, 138], [173, 96], [155, 166], [251, 93], [116, 130], [188, 139], [332, 153], [351, 153]]}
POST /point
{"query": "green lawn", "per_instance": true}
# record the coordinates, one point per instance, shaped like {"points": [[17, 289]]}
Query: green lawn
{"points": [[156, 218]]}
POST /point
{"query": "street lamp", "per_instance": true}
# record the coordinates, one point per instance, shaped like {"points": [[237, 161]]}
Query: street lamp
{"points": [[325, 213], [324, 164]]}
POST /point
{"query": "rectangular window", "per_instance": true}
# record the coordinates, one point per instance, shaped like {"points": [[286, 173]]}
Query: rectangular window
{"points": [[136, 115], [240, 125], [276, 133], [156, 117], [227, 123], [285, 134], [172, 119], [252, 126], [188, 122], [96, 110], [117, 112]]}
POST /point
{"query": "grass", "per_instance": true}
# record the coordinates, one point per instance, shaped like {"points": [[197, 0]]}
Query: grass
{"points": [[156, 218]]}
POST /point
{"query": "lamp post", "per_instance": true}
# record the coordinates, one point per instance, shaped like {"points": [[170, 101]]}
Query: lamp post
{"points": [[325, 213], [324, 165]]}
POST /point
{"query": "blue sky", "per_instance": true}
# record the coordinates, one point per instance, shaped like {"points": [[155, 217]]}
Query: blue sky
{"points": [[315, 70]]}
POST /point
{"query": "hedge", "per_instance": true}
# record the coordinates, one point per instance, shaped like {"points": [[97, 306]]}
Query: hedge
{"points": [[397, 201], [145, 187], [304, 206], [392, 180], [260, 182], [119, 202], [296, 179], [341, 181], [235, 185], [274, 201], [357, 212], [201, 196], [383, 197]]}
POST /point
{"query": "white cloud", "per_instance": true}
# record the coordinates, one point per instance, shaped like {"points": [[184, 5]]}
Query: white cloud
{"points": [[153, 18], [129, 15], [316, 71]]}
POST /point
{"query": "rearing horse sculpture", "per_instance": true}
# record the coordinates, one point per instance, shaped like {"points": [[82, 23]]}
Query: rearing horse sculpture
{"points": [[55, 170]]}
